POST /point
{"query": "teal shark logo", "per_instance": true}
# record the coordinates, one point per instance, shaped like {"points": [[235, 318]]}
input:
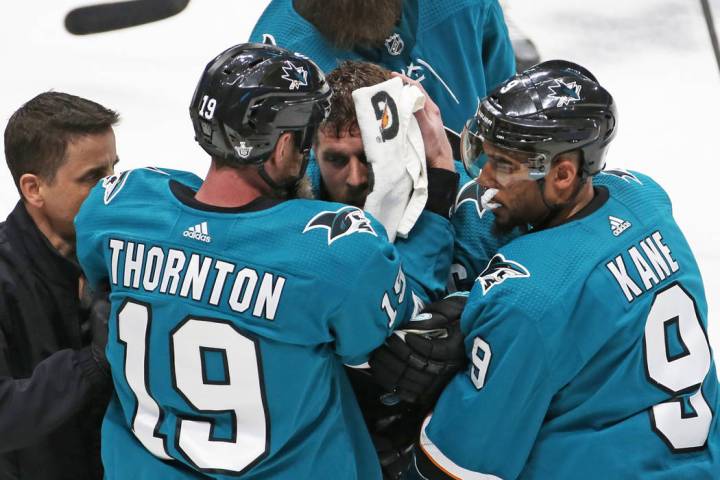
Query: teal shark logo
{"points": [[622, 174], [472, 193]]}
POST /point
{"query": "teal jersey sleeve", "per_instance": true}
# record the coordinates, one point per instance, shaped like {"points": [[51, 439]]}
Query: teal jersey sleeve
{"points": [[427, 255], [375, 303], [508, 388]]}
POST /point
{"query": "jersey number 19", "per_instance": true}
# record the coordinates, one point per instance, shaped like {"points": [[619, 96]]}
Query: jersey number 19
{"points": [[240, 395]]}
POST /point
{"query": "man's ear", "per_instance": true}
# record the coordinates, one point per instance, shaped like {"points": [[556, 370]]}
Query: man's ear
{"points": [[283, 145], [31, 189], [565, 172]]}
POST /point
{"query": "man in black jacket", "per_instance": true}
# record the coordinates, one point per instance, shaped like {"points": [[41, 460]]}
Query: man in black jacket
{"points": [[54, 382]]}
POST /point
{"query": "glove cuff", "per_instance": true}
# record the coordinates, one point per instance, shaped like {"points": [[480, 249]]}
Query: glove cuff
{"points": [[93, 365], [442, 188]]}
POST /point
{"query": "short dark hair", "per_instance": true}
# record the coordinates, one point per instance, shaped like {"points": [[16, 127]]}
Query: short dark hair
{"points": [[37, 134], [349, 76]]}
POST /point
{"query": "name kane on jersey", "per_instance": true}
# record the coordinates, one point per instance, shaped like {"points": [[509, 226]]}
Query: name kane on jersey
{"points": [[653, 262]]}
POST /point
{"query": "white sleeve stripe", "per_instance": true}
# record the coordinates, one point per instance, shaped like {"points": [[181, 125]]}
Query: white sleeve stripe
{"points": [[449, 467], [362, 366]]}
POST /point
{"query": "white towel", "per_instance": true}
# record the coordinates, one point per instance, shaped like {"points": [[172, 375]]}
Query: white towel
{"points": [[394, 148]]}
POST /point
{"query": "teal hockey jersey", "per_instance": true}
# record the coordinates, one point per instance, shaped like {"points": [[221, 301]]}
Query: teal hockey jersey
{"points": [[229, 329], [458, 49], [589, 354], [475, 242], [426, 253]]}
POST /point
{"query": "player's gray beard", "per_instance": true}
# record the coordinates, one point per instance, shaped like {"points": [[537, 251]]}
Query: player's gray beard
{"points": [[352, 23]]}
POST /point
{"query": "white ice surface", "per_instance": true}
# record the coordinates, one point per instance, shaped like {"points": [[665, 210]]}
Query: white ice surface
{"points": [[653, 55]]}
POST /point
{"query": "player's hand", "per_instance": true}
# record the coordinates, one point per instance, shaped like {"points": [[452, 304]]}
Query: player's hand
{"points": [[438, 151], [98, 316], [416, 363]]}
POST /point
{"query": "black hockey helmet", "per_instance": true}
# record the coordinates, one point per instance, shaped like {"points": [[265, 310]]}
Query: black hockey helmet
{"points": [[549, 109], [252, 93]]}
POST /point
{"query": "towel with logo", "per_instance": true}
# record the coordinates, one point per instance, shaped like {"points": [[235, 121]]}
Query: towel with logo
{"points": [[395, 151]]}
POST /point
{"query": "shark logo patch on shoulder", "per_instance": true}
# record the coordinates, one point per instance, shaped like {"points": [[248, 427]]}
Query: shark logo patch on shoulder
{"points": [[471, 192], [341, 223], [622, 174], [498, 270], [113, 184]]}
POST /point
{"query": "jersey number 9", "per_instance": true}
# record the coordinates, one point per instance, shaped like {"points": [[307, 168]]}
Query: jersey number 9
{"points": [[679, 368]]}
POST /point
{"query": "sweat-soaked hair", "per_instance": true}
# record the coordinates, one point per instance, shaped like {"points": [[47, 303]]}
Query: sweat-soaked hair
{"points": [[37, 134], [349, 76], [347, 24]]}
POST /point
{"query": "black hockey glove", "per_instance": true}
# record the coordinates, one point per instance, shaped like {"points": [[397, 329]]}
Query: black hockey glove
{"points": [[393, 425], [394, 458], [416, 363]]}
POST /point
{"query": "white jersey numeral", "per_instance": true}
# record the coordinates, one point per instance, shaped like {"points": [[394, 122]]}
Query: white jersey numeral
{"points": [[481, 356], [680, 374], [133, 328], [207, 108], [240, 394]]}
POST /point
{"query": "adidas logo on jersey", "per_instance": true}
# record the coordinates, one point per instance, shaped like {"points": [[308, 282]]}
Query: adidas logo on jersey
{"points": [[618, 225], [198, 232]]}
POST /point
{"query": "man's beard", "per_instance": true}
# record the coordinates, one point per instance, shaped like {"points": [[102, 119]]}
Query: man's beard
{"points": [[347, 24], [300, 189], [502, 228], [357, 197]]}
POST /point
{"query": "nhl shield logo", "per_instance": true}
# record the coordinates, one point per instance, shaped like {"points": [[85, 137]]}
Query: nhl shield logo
{"points": [[243, 150], [394, 44], [341, 223], [498, 270]]}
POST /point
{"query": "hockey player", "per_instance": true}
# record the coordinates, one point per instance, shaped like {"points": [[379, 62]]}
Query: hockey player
{"points": [[458, 49], [233, 309], [340, 171], [587, 335]]}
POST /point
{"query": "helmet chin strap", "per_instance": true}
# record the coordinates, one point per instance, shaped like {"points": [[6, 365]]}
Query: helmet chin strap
{"points": [[553, 210], [283, 189]]}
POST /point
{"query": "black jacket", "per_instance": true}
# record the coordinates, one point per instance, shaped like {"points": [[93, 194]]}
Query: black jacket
{"points": [[52, 393]]}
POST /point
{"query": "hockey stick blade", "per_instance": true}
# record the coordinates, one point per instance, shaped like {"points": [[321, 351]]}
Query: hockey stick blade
{"points": [[105, 17]]}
